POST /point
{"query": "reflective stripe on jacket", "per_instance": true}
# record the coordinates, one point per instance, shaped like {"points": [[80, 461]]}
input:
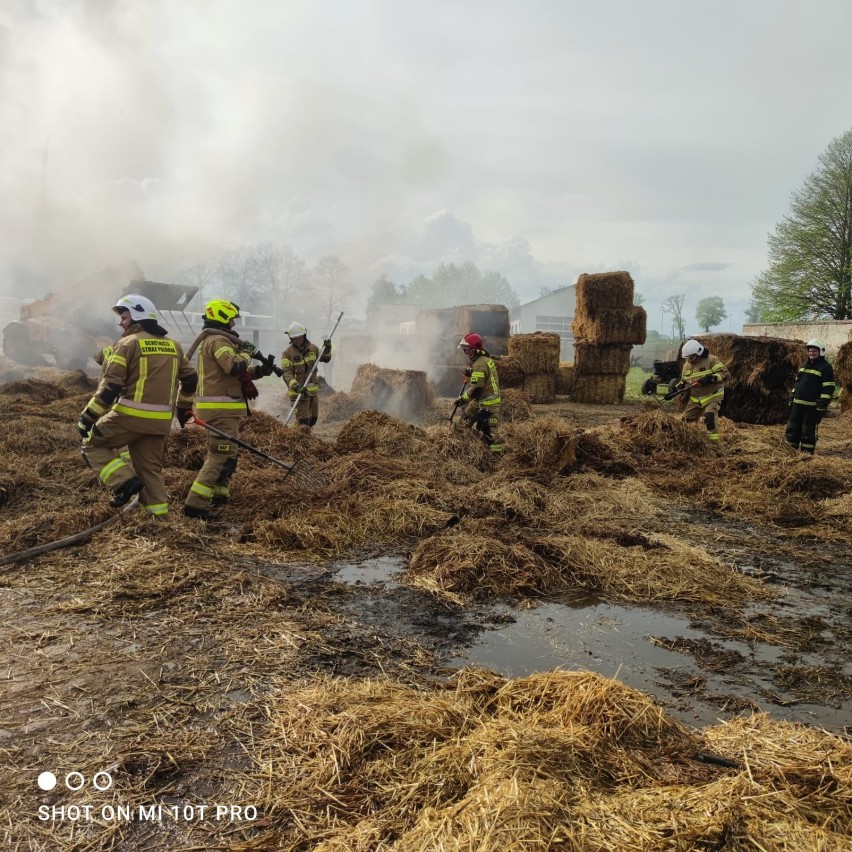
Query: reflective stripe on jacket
{"points": [[219, 363], [707, 365], [146, 367], [297, 363], [483, 386], [814, 383]]}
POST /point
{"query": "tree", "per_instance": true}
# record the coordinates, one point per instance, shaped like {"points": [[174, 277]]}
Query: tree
{"points": [[238, 272], [810, 252], [710, 311], [451, 285], [638, 298], [674, 305], [333, 287], [383, 292]]}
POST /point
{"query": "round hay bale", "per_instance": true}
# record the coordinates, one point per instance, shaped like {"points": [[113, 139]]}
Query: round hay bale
{"points": [[401, 393]]}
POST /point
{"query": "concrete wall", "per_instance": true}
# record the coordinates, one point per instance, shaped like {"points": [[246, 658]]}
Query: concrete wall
{"points": [[834, 333]]}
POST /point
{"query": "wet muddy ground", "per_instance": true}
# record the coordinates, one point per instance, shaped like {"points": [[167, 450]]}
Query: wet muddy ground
{"points": [[79, 671]]}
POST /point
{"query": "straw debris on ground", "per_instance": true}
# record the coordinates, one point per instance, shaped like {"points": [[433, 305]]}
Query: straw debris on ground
{"points": [[173, 654]]}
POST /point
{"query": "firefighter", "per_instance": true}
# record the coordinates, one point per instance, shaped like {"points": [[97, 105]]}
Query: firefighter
{"points": [[133, 407], [481, 394], [706, 375], [812, 393], [297, 361], [225, 387]]}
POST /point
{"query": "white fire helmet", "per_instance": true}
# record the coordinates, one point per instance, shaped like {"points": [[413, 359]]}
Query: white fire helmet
{"points": [[140, 308], [692, 347], [816, 344], [296, 329]]}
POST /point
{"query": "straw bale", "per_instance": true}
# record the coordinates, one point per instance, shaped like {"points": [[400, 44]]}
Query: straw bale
{"points": [[540, 387], [437, 322], [763, 371], [611, 326], [402, 393], [444, 350], [491, 322], [843, 366], [603, 291], [593, 360], [537, 352], [497, 347], [515, 406], [509, 372], [599, 390], [565, 378]]}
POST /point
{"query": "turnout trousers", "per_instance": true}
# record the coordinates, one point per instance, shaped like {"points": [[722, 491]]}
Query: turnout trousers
{"points": [[212, 485], [801, 432], [105, 454]]}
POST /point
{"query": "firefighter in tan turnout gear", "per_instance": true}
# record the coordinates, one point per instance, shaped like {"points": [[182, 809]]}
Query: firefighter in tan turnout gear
{"points": [[705, 374], [225, 386], [481, 394], [297, 361], [133, 407]]}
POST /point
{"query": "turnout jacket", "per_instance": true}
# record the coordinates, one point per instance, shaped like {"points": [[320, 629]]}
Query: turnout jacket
{"points": [[297, 363], [140, 381], [711, 373], [483, 386], [220, 362], [814, 384]]}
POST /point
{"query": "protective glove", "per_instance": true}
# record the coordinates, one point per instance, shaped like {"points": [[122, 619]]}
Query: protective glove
{"points": [[184, 415], [708, 380], [680, 385], [248, 346], [300, 389], [468, 372], [249, 390], [263, 369], [326, 344], [86, 423]]}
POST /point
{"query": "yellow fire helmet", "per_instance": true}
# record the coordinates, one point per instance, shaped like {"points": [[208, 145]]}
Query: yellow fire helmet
{"points": [[221, 310]]}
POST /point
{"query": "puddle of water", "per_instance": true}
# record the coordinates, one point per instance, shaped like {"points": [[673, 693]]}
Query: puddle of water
{"points": [[610, 640], [377, 570]]}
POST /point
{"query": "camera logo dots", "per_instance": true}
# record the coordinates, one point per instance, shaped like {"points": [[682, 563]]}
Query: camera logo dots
{"points": [[46, 780], [75, 781]]}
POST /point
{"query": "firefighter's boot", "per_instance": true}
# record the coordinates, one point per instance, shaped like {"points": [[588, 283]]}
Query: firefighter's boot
{"points": [[123, 494]]}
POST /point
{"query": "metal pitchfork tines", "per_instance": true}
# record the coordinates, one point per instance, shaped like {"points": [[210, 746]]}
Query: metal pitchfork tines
{"points": [[302, 473]]}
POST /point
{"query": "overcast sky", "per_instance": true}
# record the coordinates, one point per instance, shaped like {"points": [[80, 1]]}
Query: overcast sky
{"points": [[539, 139]]}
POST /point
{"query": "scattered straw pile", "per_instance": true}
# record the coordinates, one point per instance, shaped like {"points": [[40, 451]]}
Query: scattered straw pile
{"points": [[763, 370], [559, 760]]}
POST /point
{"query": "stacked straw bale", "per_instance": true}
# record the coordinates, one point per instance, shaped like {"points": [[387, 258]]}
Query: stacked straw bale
{"points": [[606, 326], [536, 357], [843, 374], [565, 378], [763, 371]]}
